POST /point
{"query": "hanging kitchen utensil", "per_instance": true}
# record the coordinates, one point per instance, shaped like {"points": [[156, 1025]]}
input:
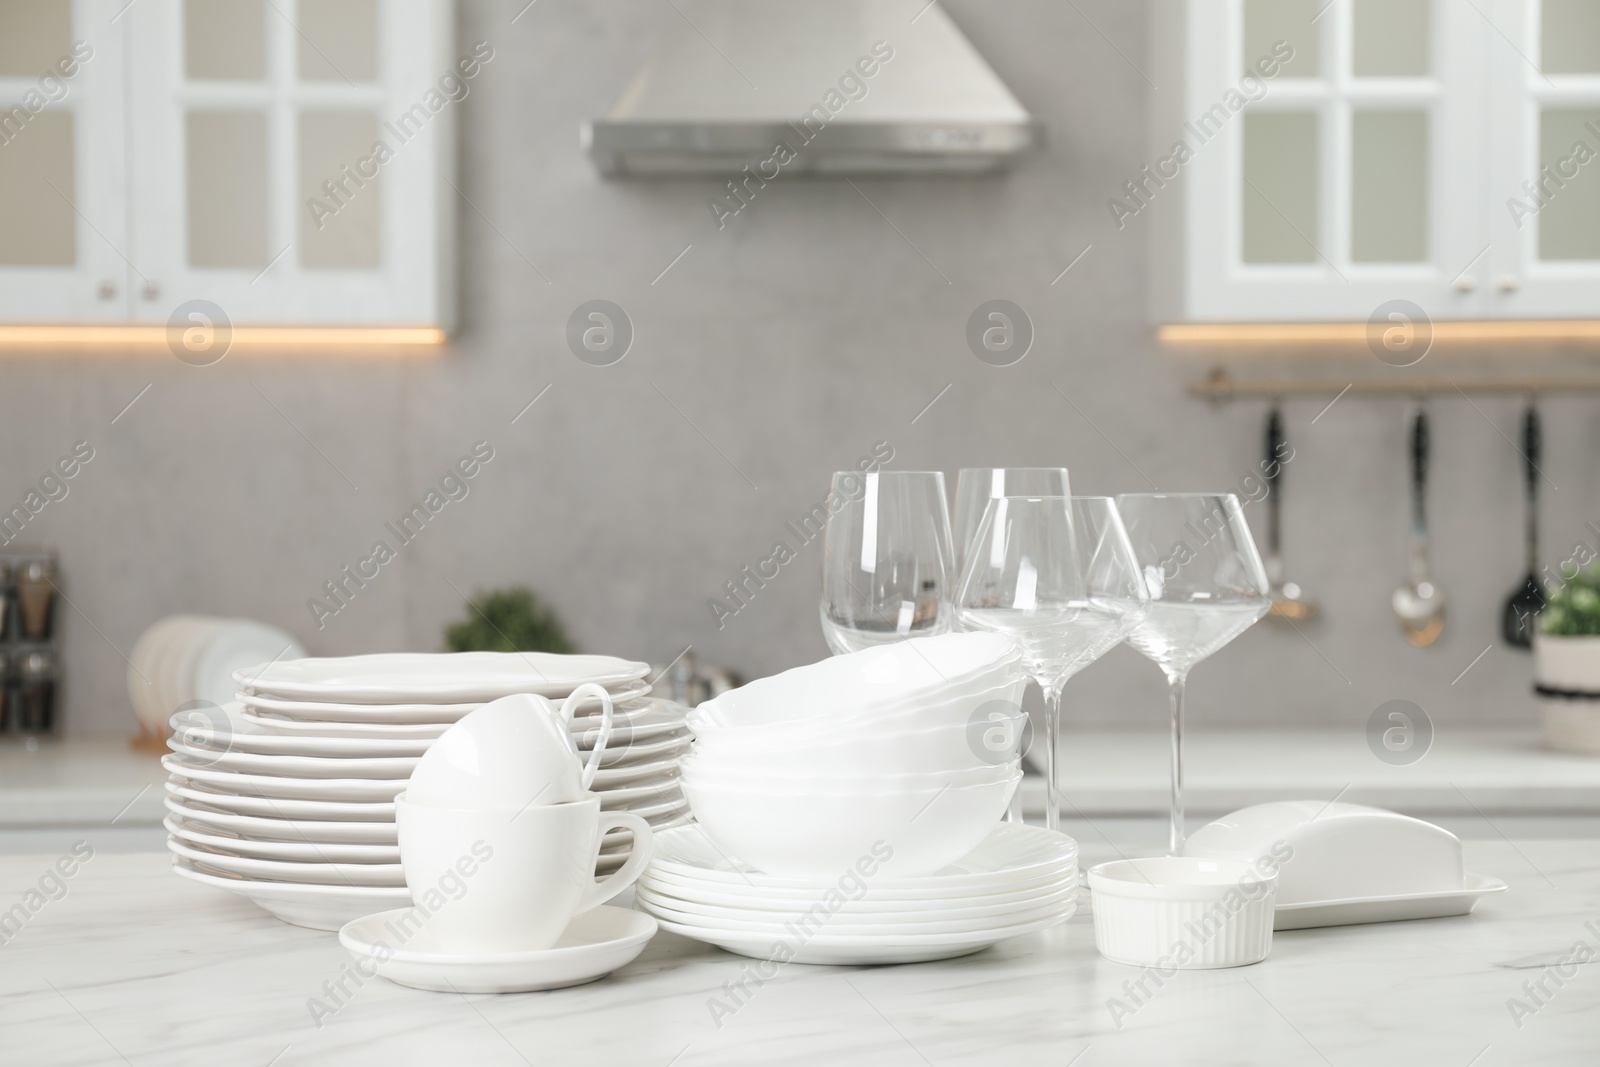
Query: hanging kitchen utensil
{"points": [[1517, 618], [1419, 602], [1288, 599]]}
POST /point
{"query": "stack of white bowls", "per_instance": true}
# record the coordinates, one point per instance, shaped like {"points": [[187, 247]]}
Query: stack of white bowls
{"points": [[287, 795], [891, 767], [190, 660], [912, 744]]}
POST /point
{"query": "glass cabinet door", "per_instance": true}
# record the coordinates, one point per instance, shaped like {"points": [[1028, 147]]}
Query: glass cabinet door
{"points": [[280, 169], [63, 243], [1545, 188], [1337, 151]]}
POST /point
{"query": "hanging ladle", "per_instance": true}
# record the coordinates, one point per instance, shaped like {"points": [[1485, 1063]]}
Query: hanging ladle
{"points": [[1419, 602]]}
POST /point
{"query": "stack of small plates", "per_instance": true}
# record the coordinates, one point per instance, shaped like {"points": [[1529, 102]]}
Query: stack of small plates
{"points": [[189, 660], [1020, 879], [287, 796]]}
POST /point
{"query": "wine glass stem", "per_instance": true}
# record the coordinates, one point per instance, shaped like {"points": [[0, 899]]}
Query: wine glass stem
{"points": [[1052, 730], [1175, 684]]}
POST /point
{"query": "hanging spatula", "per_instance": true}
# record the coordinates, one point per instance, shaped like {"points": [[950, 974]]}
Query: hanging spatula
{"points": [[1517, 618]]}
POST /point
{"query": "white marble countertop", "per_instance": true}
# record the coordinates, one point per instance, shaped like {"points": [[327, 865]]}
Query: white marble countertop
{"points": [[134, 965]]}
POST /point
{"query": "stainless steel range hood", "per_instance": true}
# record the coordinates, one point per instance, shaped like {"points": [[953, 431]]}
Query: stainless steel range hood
{"points": [[812, 86]]}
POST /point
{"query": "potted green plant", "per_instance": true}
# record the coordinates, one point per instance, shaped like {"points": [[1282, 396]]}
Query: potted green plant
{"points": [[1567, 664], [508, 620]]}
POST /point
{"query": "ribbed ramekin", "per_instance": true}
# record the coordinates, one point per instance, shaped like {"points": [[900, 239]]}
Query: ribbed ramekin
{"points": [[1183, 913]]}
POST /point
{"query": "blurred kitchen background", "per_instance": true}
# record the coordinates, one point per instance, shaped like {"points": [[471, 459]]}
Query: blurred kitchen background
{"points": [[822, 319]]}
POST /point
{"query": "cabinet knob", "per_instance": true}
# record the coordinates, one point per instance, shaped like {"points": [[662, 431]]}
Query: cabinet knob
{"points": [[1509, 283], [151, 291], [107, 291], [1466, 283]]}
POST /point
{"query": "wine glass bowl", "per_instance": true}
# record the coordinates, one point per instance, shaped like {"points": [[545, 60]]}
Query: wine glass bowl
{"points": [[1207, 586], [887, 563]]}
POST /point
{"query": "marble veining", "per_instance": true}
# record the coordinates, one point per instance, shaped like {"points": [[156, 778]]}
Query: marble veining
{"points": [[134, 965]]}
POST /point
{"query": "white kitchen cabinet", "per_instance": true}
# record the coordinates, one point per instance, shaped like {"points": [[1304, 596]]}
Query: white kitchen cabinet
{"points": [[286, 160], [1343, 154]]}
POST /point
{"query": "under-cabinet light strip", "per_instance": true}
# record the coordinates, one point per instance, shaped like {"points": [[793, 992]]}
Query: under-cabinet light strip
{"points": [[1210, 333], [13, 338]]}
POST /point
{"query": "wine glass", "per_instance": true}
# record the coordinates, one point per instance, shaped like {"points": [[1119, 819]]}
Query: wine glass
{"points": [[886, 559], [1061, 581], [976, 486], [1207, 586]]}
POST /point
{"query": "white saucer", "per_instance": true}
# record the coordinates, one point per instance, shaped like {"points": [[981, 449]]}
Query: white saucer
{"points": [[595, 944], [1386, 909]]}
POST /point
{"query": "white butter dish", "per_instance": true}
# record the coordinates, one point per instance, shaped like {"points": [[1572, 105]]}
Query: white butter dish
{"points": [[1344, 863]]}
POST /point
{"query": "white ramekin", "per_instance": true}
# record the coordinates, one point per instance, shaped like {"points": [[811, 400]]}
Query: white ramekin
{"points": [[1183, 913]]}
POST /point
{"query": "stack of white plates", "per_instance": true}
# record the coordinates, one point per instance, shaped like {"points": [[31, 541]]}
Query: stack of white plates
{"points": [[287, 796], [190, 659], [1020, 879]]}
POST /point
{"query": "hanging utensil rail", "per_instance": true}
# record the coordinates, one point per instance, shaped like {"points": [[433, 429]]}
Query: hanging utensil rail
{"points": [[1220, 385]]}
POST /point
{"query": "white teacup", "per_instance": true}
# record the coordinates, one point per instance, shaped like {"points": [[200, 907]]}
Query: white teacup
{"points": [[512, 752], [510, 880]]}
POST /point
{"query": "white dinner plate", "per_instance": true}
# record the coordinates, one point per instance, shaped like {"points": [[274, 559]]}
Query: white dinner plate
{"points": [[317, 907], [664, 786], [1011, 857], [672, 802], [622, 752], [315, 767], [636, 721], [611, 779], [277, 787], [264, 830], [231, 731], [391, 677], [771, 900], [594, 944], [282, 807], [843, 925], [863, 950], [234, 644], [400, 714], [204, 837], [314, 873], [1386, 909], [272, 724]]}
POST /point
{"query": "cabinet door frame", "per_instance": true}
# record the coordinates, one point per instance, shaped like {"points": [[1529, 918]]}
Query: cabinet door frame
{"points": [[1216, 285], [94, 98], [412, 283], [1524, 286]]}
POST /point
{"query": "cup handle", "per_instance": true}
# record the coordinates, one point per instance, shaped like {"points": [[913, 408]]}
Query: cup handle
{"points": [[629, 872], [569, 711]]}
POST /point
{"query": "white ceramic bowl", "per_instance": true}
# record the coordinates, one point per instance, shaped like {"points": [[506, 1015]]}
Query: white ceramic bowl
{"points": [[875, 678], [950, 746], [788, 781], [806, 834], [953, 705], [1182, 912]]}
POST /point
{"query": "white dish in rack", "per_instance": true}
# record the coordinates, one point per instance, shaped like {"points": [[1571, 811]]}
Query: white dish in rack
{"points": [[457, 677]]}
